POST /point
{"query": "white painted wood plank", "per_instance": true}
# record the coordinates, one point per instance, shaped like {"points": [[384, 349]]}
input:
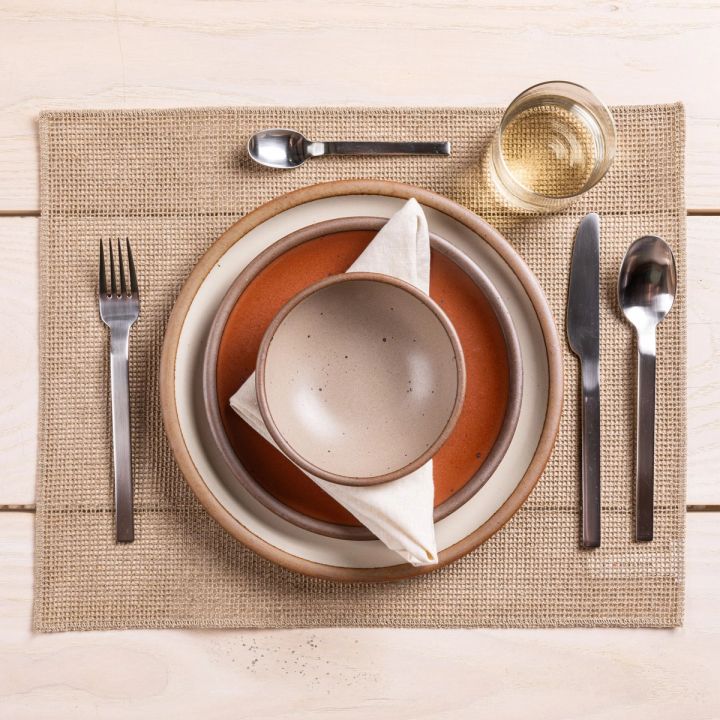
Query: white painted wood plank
{"points": [[349, 674], [130, 53], [18, 358], [703, 404]]}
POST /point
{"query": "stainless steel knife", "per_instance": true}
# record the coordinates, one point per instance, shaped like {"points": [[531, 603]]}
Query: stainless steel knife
{"points": [[583, 331]]}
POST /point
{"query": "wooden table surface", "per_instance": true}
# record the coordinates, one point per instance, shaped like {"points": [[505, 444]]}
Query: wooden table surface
{"points": [[130, 53]]}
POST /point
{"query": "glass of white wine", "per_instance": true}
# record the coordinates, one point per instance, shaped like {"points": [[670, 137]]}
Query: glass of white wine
{"points": [[556, 140]]}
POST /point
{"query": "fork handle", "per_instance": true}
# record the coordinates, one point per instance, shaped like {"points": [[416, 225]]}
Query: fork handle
{"points": [[122, 453]]}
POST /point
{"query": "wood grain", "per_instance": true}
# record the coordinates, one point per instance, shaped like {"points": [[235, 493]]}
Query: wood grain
{"points": [[378, 674], [129, 53], [18, 358]]}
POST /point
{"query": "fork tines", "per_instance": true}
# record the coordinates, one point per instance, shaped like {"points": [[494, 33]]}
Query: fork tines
{"points": [[121, 270]]}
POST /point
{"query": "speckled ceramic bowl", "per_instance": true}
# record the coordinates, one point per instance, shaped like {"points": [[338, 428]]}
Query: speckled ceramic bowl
{"points": [[360, 378]]}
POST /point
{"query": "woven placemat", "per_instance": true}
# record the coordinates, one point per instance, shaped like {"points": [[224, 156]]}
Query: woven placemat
{"points": [[173, 181]]}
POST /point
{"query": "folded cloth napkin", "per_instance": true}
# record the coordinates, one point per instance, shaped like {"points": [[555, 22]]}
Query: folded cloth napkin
{"points": [[399, 512]]}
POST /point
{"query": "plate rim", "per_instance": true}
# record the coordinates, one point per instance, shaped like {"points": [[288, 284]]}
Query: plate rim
{"points": [[255, 267], [445, 206]]}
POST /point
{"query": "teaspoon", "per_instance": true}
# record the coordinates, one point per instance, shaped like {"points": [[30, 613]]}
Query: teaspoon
{"points": [[646, 291], [286, 149]]}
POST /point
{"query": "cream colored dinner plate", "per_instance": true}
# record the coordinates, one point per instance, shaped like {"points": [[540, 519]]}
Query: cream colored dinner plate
{"points": [[252, 523]]}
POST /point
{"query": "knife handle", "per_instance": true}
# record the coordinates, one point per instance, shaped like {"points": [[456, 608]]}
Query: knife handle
{"points": [[590, 454], [645, 429]]}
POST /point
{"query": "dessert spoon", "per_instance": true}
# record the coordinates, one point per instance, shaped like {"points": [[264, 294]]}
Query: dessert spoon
{"points": [[287, 149], [646, 291]]}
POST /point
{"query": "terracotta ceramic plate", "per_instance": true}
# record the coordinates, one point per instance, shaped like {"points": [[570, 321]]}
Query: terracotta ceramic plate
{"points": [[492, 357], [247, 519]]}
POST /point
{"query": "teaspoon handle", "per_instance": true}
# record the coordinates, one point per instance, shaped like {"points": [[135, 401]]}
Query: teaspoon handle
{"points": [[385, 148], [645, 438]]}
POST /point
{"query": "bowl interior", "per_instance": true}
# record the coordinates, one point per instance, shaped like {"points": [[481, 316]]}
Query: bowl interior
{"points": [[361, 378]]}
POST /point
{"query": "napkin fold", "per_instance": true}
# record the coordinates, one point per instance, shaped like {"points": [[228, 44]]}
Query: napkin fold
{"points": [[399, 512]]}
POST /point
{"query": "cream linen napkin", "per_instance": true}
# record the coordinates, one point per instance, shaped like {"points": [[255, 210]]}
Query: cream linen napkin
{"points": [[400, 512]]}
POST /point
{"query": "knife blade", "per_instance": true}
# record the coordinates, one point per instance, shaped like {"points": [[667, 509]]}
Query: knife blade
{"points": [[583, 332]]}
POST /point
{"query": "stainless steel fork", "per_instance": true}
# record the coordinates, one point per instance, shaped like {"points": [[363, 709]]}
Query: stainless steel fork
{"points": [[119, 310]]}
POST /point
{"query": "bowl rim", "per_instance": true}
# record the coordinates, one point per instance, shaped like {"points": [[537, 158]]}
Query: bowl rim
{"points": [[261, 377], [211, 401]]}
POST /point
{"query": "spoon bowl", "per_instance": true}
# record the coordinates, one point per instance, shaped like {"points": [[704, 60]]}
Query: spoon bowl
{"points": [[647, 282], [279, 148]]}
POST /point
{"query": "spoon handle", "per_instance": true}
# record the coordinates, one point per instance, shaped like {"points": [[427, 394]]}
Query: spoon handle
{"points": [[384, 148], [645, 437]]}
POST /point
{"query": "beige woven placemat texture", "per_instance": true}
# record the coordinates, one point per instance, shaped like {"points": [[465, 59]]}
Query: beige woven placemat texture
{"points": [[173, 181]]}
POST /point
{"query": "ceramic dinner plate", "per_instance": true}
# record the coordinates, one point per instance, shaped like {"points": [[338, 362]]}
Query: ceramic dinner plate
{"points": [[264, 531], [492, 358]]}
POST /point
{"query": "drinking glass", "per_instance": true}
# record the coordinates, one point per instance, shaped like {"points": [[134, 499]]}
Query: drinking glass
{"points": [[556, 140]]}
